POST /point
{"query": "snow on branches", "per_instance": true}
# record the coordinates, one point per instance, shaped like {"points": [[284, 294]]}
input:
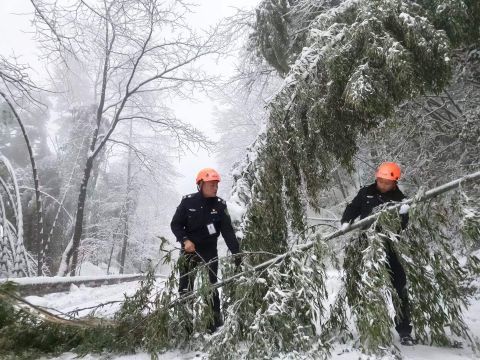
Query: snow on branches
{"points": [[357, 61]]}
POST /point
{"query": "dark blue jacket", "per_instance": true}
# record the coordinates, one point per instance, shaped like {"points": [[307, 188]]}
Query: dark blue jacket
{"points": [[367, 199], [192, 218]]}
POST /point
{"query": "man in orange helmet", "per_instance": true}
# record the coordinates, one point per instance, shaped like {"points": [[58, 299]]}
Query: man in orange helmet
{"points": [[383, 190], [198, 221]]}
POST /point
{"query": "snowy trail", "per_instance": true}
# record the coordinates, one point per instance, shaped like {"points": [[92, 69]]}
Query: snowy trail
{"points": [[81, 297]]}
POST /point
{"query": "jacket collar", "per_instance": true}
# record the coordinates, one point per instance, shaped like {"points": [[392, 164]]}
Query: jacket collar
{"points": [[372, 189], [199, 195]]}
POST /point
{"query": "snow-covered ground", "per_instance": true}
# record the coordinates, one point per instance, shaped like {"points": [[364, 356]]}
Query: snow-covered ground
{"points": [[83, 297], [171, 355]]}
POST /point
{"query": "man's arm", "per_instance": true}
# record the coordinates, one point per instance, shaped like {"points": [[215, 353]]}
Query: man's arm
{"points": [[228, 233], [179, 222], [353, 209]]}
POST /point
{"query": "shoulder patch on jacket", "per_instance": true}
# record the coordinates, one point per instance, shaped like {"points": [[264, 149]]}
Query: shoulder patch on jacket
{"points": [[187, 196], [222, 201]]}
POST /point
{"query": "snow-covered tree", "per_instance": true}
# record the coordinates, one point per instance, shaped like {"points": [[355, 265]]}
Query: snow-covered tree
{"points": [[34, 147], [242, 115], [359, 61], [136, 61], [14, 259]]}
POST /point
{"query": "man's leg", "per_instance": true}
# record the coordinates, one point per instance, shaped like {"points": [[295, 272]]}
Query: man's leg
{"points": [[212, 267], [399, 281], [187, 264], [213, 271]]}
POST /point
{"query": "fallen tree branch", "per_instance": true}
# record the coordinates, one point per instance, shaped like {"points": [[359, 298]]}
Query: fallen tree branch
{"points": [[40, 313], [47, 316]]}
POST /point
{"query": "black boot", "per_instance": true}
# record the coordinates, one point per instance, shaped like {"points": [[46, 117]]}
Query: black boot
{"points": [[407, 340], [216, 322]]}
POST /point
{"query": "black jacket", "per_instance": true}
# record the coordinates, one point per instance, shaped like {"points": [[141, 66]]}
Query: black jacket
{"points": [[192, 218], [368, 198]]}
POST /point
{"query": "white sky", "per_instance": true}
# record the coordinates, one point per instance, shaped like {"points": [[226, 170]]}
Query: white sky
{"points": [[16, 30]]}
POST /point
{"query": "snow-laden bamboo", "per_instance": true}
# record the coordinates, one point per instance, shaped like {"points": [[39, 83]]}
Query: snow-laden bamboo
{"points": [[423, 196]]}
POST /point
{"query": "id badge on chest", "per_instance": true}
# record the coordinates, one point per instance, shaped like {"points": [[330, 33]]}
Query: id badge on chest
{"points": [[211, 229]]}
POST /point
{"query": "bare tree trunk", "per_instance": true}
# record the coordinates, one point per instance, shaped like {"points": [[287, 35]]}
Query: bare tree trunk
{"points": [[124, 245], [60, 206], [39, 233], [110, 257], [127, 204], [72, 256]]}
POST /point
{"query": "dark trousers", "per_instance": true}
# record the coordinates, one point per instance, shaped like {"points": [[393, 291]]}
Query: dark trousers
{"points": [[188, 264], [399, 282]]}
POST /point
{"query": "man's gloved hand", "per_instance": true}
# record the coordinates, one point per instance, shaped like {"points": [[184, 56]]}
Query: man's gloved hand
{"points": [[344, 226], [189, 246], [404, 209]]}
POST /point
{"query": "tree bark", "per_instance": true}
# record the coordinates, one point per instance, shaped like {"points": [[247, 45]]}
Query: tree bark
{"points": [[110, 257], [72, 256], [127, 204]]}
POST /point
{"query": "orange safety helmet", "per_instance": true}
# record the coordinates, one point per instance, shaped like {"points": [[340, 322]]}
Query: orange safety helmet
{"points": [[389, 171], [207, 174]]}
